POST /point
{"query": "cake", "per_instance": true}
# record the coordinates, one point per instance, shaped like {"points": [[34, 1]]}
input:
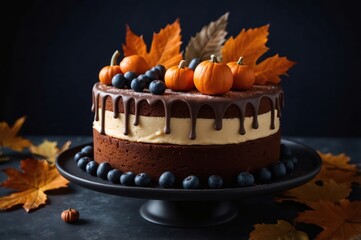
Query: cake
{"points": [[187, 133]]}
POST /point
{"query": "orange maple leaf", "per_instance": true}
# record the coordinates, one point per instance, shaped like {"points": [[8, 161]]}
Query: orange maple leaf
{"points": [[313, 192], [31, 183], [9, 136], [48, 150], [165, 47], [339, 221], [338, 168], [281, 230]]}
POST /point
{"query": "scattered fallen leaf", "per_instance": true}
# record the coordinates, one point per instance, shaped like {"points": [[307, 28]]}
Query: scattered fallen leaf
{"points": [[338, 168], [270, 70], [165, 47], [339, 221], [313, 192], [36, 177], [281, 230], [48, 150], [9, 136], [208, 41]]}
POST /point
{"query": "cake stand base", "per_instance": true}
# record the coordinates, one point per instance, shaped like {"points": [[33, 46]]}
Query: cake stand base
{"points": [[188, 214]]}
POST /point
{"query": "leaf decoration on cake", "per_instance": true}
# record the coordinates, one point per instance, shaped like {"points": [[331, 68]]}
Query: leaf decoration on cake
{"points": [[9, 136], [48, 150], [339, 221], [281, 230], [338, 168], [165, 47], [313, 192], [36, 177], [208, 41], [251, 45]]}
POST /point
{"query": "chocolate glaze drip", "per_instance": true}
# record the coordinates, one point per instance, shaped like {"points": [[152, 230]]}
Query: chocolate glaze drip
{"points": [[193, 100]]}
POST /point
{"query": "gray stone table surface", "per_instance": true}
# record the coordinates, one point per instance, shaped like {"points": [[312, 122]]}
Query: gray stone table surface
{"points": [[106, 216]]}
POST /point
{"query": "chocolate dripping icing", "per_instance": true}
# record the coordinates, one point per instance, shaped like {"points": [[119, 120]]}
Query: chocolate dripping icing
{"points": [[219, 106]]}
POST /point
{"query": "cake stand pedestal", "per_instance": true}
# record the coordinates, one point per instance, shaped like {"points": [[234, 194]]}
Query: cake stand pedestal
{"points": [[193, 207]]}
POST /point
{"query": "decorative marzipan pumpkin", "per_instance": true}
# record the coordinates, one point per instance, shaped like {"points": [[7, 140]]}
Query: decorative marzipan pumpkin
{"points": [[213, 78], [134, 63], [108, 72], [70, 215], [243, 75], [179, 78]]}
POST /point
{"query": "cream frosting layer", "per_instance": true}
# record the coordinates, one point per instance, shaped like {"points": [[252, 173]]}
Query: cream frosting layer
{"points": [[151, 129]]}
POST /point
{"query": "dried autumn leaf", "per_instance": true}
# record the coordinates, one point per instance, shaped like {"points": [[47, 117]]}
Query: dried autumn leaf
{"points": [[271, 69], [208, 41], [36, 177], [339, 221], [312, 192], [48, 150], [165, 47], [9, 138], [281, 230], [250, 44], [338, 168]]}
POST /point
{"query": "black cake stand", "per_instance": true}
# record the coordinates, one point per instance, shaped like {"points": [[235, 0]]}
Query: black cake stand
{"points": [[192, 208]]}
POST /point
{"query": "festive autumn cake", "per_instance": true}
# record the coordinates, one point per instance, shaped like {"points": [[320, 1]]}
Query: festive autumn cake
{"points": [[157, 115]]}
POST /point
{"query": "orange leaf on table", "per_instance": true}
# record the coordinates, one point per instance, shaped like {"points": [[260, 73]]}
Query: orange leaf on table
{"points": [[165, 47], [313, 192], [250, 44], [9, 136], [36, 177], [270, 70], [48, 150], [281, 230], [339, 221]]}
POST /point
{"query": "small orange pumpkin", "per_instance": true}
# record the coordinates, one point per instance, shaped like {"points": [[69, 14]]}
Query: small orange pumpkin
{"points": [[134, 63], [108, 72], [70, 215], [179, 78], [243, 75], [213, 78]]}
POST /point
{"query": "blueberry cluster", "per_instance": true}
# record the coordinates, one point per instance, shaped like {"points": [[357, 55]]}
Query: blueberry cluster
{"points": [[152, 79]]}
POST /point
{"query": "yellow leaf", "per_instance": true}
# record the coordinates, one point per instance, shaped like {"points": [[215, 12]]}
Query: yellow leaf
{"points": [[339, 221], [9, 138], [36, 177], [338, 168], [270, 70], [250, 44], [281, 230], [312, 192], [48, 150]]}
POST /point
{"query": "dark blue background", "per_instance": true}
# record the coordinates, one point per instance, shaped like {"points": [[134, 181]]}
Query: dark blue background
{"points": [[52, 51]]}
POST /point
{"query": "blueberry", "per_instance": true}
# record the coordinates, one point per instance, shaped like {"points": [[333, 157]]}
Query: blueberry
{"points": [[215, 181], [146, 79], [285, 150], [114, 176], [161, 70], [159, 73], [103, 170], [288, 164], [143, 180], [79, 155], [264, 175], [129, 76], [194, 63], [88, 151], [138, 84], [278, 169], [166, 180], [83, 162], [152, 75], [291, 158], [157, 87], [119, 81], [91, 168], [190, 182], [127, 178], [245, 179]]}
